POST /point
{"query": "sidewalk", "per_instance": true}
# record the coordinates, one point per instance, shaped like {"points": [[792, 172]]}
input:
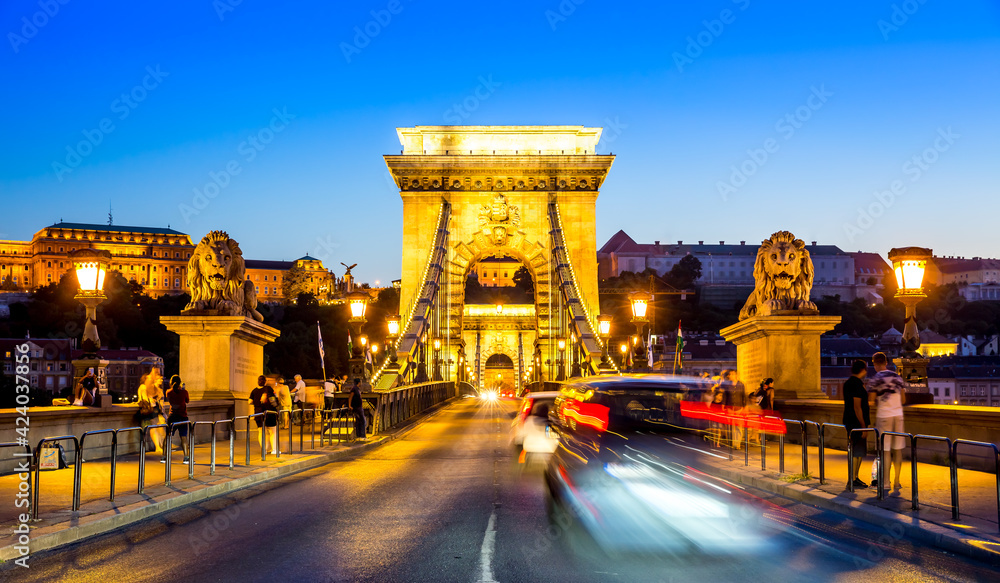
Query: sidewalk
{"points": [[59, 525], [977, 532]]}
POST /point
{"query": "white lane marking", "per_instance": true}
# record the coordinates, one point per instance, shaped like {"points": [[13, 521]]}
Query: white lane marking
{"points": [[486, 554]]}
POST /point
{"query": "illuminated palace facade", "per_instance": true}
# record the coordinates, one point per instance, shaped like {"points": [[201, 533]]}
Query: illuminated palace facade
{"points": [[154, 257]]}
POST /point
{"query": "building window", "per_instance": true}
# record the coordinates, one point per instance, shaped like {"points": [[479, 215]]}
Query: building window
{"points": [[177, 282], [947, 391], [935, 391]]}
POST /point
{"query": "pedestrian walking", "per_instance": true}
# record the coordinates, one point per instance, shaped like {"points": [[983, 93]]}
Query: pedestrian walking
{"points": [[856, 416], [357, 406], [284, 396], [151, 407], [264, 401], [178, 398], [888, 392]]}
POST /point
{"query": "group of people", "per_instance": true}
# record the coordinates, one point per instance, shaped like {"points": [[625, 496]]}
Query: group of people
{"points": [[727, 392], [158, 407], [269, 400], [887, 391]]}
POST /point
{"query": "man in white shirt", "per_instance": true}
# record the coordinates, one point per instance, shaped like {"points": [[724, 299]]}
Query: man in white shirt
{"points": [[299, 392], [887, 390]]}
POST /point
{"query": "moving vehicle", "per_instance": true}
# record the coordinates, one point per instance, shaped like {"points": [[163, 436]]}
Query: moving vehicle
{"points": [[625, 470], [530, 428]]}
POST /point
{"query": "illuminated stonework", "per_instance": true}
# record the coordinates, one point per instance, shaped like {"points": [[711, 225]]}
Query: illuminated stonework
{"points": [[500, 181]]}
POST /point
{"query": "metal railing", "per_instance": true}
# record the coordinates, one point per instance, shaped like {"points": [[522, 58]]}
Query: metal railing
{"points": [[36, 490], [880, 452]]}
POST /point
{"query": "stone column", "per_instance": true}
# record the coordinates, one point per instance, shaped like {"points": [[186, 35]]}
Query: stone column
{"points": [[221, 356], [783, 347]]}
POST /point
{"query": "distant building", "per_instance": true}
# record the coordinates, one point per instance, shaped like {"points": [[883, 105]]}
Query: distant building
{"points": [[497, 271], [153, 257], [980, 292], [945, 270], [934, 344], [50, 362], [727, 269]]}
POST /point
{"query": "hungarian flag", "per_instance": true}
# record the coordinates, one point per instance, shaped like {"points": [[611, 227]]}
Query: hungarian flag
{"points": [[322, 353], [350, 345], [679, 349], [649, 349]]}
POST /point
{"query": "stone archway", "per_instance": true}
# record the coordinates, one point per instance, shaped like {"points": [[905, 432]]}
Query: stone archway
{"points": [[499, 186]]}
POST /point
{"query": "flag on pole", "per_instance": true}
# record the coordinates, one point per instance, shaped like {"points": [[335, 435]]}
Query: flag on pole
{"points": [[368, 357], [322, 352], [350, 345], [679, 349]]}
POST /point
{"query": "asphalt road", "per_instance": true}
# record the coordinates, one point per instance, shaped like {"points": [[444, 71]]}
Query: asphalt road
{"points": [[450, 502]]}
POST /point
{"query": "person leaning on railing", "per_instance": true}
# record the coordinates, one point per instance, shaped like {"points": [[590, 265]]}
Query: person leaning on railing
{"points": [[856, 416], [177, 398]]}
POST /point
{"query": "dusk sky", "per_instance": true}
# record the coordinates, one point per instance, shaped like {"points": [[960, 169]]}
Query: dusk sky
{"points": [[843, 94]]}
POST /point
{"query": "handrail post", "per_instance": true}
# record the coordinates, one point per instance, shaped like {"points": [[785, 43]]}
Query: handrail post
{"points": [[142, 459], [291, 431], [114, 462], [805, 450], [746, 440], [263, 435], [880, 455], [277, 435], [763, 445], [850, 460], [953, 459], [211, 471], [232, 444], [167, 447], [822, 454], [312, 432], [914, 504], [77, 476], [247, 443], [781, 453]]}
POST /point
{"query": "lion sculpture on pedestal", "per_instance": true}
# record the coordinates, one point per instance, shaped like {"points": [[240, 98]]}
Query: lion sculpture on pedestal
{"points": [[217, 279], [783, 273]]}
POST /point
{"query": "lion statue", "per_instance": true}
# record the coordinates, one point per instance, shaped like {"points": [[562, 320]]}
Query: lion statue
{"points": [[783, 273], [217, 279]]}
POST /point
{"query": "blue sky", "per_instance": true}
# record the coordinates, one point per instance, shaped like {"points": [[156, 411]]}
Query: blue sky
{"points": [[705, 146]]}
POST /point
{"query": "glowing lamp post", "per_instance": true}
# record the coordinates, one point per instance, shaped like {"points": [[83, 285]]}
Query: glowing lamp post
{"points": [[392, 326], [604, 329], [357, 302], [909, 265], [640, 301], [437, 360], [623, 348], [499, 309], [91, 266]]}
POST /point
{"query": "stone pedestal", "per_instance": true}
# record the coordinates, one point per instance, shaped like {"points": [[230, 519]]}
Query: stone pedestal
{"points": [[221, 356], [783, 347]]}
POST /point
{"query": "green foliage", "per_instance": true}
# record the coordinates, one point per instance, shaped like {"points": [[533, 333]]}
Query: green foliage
{"points": [[293, 283], [684, 273]]}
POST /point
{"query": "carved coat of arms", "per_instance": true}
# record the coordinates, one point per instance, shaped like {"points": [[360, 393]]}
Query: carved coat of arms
{"points": [[496, 218]]}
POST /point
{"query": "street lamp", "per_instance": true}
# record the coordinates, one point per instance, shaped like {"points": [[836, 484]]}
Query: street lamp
{"points": [[91, 266], [909, 264], [437, 360], [357, 302], [640, 304], [604, 324], [392, 324], [623, 348]]}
